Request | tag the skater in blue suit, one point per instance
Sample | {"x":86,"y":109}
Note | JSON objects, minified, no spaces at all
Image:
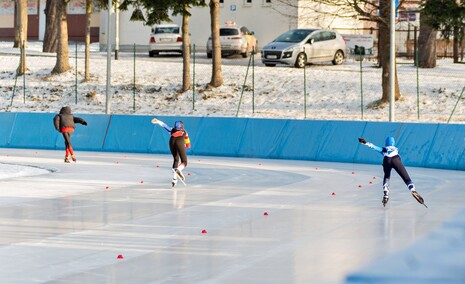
{"x":391,"y":161}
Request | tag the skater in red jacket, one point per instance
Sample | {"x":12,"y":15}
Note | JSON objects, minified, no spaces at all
{"x":65,"y":124}
{"x":179,"y":141}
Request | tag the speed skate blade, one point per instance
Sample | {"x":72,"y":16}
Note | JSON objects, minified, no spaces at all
{"x":385,"y":201}
{"x":419,"y":198}
{"x":183,"y":182}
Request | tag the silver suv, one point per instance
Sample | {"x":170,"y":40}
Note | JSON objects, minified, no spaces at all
{"x":301,"y":46}
{"x":234,"y":39}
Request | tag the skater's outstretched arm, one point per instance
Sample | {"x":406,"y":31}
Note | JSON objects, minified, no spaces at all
{"x":371,"y":145}
{"x":80,"y":120}
{"x":162,"y":124}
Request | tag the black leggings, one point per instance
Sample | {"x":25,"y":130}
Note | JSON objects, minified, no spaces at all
{"x":67,"y":136}
{"x":395,"y":163}
{"x":178,"y":150}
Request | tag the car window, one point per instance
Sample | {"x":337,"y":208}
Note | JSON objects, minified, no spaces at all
{"x":229,"y":32}
{"x":293,"y":36}
{"x":332,"y":35}
{"x":318,"y":36}
{"x":245,"y":31}
{"x":167,"y":30}
{"x":328,"y":35}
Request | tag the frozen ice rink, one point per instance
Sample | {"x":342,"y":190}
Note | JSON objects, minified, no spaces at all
{"x":113,"y":218}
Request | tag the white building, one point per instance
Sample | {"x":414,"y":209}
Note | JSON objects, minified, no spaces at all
{"x":266,"y":18}
{"x":36,"y":20}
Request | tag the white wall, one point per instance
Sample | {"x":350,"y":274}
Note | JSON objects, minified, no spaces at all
{"x":258,"y":17}
{"x":262,"y":19}
{"x":42,"y":18}
{"x":131,"y":32}
{"x":266,"y":20}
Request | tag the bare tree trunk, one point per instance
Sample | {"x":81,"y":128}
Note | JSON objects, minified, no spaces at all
{"x":87,"y":52}
{"x":62,"y":64}
{"x":461,"y":49}
{"x":186,"y":54}
{"x":17,"y":22}
{"x":426,"y":45}
{"x":217,"y":77}
{"x":456,"y":45}
{"x":22,"y":34}
{"x":384,"y":50}
{"x":51,"y":27}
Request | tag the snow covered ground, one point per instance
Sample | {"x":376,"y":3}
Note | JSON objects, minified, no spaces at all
{"x":334,"y":92}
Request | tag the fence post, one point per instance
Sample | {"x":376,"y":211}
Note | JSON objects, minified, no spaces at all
{"x":76,"y":75}
{"x":193,"y":79}
{"x":361,"y":83}
{"x":23,"y":54}
{"x":305,"y":90}
{"x":415,"y":48}
{"x":253,"y":80}
{"x":456,"y":104}
{"x":134,"y":81}
{"x":14,"y":89}
{"x":418,"y":85}
{"x":243,"y":87}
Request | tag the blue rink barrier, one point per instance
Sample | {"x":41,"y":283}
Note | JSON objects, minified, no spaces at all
{"x":421,"y":144}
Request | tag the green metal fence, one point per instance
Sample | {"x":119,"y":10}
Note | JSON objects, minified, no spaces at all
{"x":319,"y":91}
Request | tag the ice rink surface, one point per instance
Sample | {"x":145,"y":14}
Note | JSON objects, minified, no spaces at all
{"x":113,"y":218}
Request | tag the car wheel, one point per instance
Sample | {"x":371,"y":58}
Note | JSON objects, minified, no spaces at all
{"x":270,"y":65}
{"x":151,"y":54}
{"x":301,"y":60}
{"x":245,"y":54}
{"x":338,"y":58}
{"x":209,"y":55}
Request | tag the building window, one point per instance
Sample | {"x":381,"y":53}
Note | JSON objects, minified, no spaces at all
{"x":266,"y":2}
{"x":248,"y":2}
{"x":221,"y":1}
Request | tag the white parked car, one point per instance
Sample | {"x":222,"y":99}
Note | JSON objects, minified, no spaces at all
{"x":301,"y":46}
{"x":165,"y":38}
{"x":234,"y":39}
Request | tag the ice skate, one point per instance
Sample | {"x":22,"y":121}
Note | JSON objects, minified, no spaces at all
{"x":385,"y":200}
{"x":66,"y":159}
{"x":418,"y":198}
{"x":180,"y":175}
{"x":175,"y":171}
{"x":173,"y":182}
{"x":386,"y":194}
{"x":73,"y":158}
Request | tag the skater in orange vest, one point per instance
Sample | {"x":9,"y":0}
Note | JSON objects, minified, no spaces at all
{"x":178,"y":143}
